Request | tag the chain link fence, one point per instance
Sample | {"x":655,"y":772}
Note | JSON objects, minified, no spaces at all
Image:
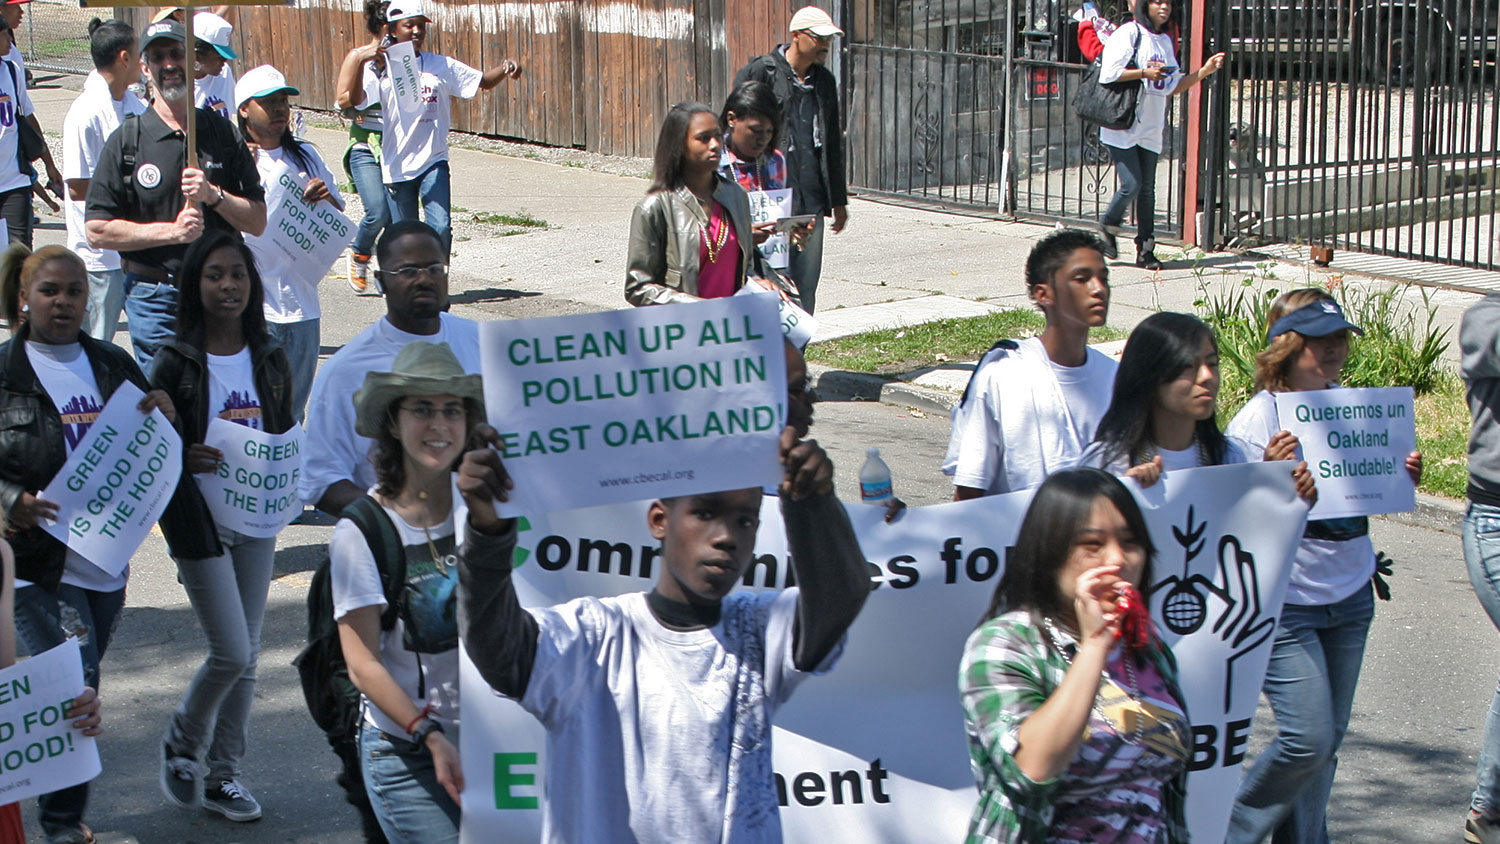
{"x":54,"y":35}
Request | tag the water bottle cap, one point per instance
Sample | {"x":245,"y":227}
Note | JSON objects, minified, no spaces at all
{"x":872,"y":452}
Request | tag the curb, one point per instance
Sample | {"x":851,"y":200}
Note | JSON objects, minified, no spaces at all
{"x":1432,"y":512}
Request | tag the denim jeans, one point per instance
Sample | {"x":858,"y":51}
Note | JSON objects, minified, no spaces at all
{"x":364,"y":170}
{"x":1136,"y":168}
{"x":106,"y":298}
{"x":433,"y":192}
{"x":151,"y":307}
{"x":43,"y":621}
{"x":805,"y":265}
{"x":404,"y":791}
{"x":1482,"y":553}
{"x":301,"y":342}
{"x":1310,"y":684}
{"x":228,"y":594}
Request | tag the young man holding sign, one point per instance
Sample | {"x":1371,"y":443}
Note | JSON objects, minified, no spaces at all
{"x":647,"y":693}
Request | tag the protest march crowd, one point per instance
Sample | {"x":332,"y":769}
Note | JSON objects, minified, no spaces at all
{"x":657,"y":705}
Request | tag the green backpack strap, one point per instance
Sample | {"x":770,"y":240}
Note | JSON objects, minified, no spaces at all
{"x":390,"y":552}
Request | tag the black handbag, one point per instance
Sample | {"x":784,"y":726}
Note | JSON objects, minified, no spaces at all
{"x":1112,"y":104}
{"x":30,"y":144}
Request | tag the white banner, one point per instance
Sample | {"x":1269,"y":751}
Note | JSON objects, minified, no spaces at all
{"x":636,"y":403}
{"x":797,"y":326}
{"x":40,"y":752}
{"x":768,"y":206}
{"x":254,"y":492}
{"x":876,"y":752}
{"x":305,"y":238}
{"x":405,"y":69}
{"x":1355,"y":442}
{"x":116,"y":482}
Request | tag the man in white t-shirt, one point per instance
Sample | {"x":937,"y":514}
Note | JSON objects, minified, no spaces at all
{"x":414,"y":145}
{"x":97,"y":112}
{"x":1032,"y":405}
{"x":414,"y":273}
{"x":213,"y":80}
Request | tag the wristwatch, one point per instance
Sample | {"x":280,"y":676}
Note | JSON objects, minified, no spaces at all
{"x":218,"y":201}
{"x":425,"y":729}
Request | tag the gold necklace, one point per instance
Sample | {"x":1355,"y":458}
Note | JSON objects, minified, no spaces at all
{"x":708,"y":243}
{"x":437,"y":558}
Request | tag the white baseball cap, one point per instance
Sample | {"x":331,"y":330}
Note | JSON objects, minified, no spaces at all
{"x":402,"y":9}
{"x":814,"y":20}
{"x":213,"y":29}
{"x":260,"y":81}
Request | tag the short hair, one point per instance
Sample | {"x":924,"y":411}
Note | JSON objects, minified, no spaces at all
{"x":1051,"y":253}
{"x":1273,"y":366}
{"x":666,"y":169}
{"x":397,"y":230}
{"x":190,"y":286}
{"x":19,"y":265}
{"x":753,"y":97}
{"x":108,"y":39}
{"x":1047,"y":535}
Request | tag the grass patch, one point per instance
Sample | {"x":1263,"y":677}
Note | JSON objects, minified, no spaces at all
{"x":517,"y":223}
{"x":1443,"y":438}
{"x":892,"y":351}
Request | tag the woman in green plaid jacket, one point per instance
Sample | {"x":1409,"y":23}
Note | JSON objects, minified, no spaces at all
{"x":1077,"y":729}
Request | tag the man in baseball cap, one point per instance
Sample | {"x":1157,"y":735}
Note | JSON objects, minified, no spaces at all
{"x":816,"y":21}
{"x":213,"y":79}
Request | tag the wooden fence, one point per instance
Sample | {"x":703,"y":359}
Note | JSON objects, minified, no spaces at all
{"x":598,"y":74}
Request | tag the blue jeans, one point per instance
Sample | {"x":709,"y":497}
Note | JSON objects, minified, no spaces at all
{"x":151,"y":307}
{"x":433,"y":192}
{"x":228,"y":594}
{"x":1310,"y":683}
{"x":805,"y":265}
{"x":301,"y":342}
{"x":1482,"y":553}
{"x":43,"y":621}
{"x":1136,"y":168}
{"x":404,"y":791}
{"x":106,"y":298}
{"x":364,"y":170}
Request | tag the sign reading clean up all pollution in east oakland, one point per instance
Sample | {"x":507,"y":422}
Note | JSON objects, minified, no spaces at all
{"x":40,"y":751}
{"x":116,"y":483}
{"x":1355,"y":442}
{"x":306,"y":238}
{"x":637,"y":403}
{"x":254,"y":491}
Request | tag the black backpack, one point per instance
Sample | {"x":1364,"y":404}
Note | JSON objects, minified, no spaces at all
{"x":332,"y":699}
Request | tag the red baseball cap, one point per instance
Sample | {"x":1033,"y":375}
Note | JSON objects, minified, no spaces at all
{"x":15,"y":2}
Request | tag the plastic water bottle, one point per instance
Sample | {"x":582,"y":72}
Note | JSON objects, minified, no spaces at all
{"x":875,"y":479}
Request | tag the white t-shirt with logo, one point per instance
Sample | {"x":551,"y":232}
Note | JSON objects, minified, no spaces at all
{"x":216,"y":93}
{"x":15,"y":103}
{"x":231,"y":389}
{"x":68,"y":380}
{"x":92,"y":118}
{"x":407,"y":150}
{"x":288,"y":298}
{"x":1149,"y":129}
{"x":355,"y":579}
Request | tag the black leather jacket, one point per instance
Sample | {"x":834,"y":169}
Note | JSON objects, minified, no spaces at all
{"x":32,"y":449}
{"x":182,"y":371}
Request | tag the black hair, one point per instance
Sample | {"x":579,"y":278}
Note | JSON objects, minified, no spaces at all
{"x":390,"y":458}
{"x":107,"y":40}
{"x":190,"y":287}
{"x":1141,"y":11}
{"x":397,"y":230}
{"x":666,"y":171}
{"x":1048,"y":533}
{"x":288,"y":142}
{"x":1158,"y":350}
{"x":1051,"y":253}
{"x":753,"y":97}
{"x":375,"y":15}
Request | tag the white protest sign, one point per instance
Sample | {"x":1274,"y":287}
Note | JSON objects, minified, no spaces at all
{"x":254,"y":492}
{"x":637,"y":403}
{"x":405,"y":70}
{"x":305,"y":238}
{"x":1355,"y":442}
{"x":876,"y":751}
{"x":116,"y":483}
{"x":40,"y":751}
{"x":768,"y":206}
{"x":797,"y":326}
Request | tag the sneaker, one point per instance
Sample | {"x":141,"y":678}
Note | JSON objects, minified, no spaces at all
{"x":1111,"y":246}
{"x":357,"y":268}
{"x":1479,"y":829}
{"x":81,"y":835}
{"x":232,"y":800}
{"x":1147,"y":261}
{"x":180,"y":780}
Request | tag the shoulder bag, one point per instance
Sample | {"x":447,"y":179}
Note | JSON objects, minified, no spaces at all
{"x":1111,"y":105}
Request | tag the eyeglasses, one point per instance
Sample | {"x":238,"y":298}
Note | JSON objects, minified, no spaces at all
{"x":425,"y":412}
{"x":409,"y":274}
{"x":821,"y":39}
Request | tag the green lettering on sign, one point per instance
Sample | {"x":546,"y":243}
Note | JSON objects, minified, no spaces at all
{"x":505,"y":780}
